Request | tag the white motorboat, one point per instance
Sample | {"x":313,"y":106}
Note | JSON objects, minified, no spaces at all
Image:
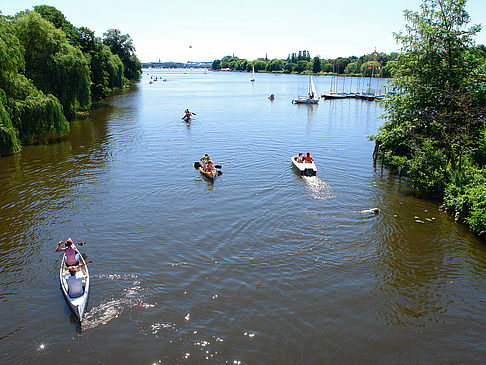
{"x":304,"y":168}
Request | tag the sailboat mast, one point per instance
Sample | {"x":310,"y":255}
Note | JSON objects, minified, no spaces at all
{"x":372,"y":72}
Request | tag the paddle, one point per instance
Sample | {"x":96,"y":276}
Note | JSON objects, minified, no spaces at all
{"x":198,"y":164}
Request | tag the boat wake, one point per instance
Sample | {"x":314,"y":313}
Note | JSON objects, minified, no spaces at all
{"x":318,"y":188}
{"x":111,"y":309}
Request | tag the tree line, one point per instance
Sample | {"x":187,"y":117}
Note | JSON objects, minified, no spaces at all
{"x":50,"y":70}
{"x":376,"y":63}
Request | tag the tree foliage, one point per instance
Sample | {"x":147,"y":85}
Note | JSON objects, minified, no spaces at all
{"x":122,"y":45}
{"x":49,"y":69}
{"x":436,"y":120}
{"x":55,"y":66}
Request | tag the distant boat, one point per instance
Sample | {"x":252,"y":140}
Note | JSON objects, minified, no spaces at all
{"x":253,"y":74}
{"x":370,"y":93}
{"x":312,"y":97}
{"x":334,"y":95}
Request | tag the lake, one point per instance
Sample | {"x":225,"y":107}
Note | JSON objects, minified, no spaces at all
{"x":262,"y":266}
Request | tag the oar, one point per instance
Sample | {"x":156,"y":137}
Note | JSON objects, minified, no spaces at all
{"x":193,"y":113}
{"x":218,"y":166}
{"x":197,"y":165}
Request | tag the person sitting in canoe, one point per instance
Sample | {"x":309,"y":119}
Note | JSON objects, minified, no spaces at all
{"x":209,"y":166}
{"x":205,"y":159}
{"x":308,"y":158}
{"x":300,"y":158}
{"x":188,"y":115}
{"x":72,"y":255}
{"x":75,"y":283}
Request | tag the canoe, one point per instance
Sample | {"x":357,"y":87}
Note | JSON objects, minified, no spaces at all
{"x":210,"y":175}
{"x":77,"y":305}
{"x":304,"y":168}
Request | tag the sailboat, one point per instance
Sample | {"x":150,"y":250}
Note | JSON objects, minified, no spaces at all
{"x":331,"y":94}
{"x":370,"y":93}
{"x":312,"y":97}
{"x":253,"y":74}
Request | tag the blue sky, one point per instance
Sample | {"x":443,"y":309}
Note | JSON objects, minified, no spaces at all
{"x":198,"y":30}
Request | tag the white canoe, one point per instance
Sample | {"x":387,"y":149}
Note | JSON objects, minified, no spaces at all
{"x":304,"y":168}
{"x":77,"y":305}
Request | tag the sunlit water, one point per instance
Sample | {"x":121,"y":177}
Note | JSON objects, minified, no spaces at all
{"x":263,"y":266}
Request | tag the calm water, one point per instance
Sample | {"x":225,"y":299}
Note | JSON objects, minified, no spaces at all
{"x":261,"y":267}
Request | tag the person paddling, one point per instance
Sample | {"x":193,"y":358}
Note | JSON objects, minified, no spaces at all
{"x":72,"y":254}
{"x":188,"y":115}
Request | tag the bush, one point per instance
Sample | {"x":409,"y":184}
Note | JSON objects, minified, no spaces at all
{"x":465,"y":198}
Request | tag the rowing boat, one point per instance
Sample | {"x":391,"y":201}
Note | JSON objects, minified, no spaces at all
{"x":76,"y":304}
{"x":304,"y":168}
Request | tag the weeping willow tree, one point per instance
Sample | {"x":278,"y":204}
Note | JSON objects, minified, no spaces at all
{"x":26,"y":113}
{"x":55,"y":66}
{"x":106,"y":69}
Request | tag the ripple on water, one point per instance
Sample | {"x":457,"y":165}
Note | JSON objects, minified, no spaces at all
{"x":111,"y":309}
{"x":318,"y":188}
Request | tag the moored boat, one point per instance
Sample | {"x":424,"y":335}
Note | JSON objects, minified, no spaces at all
{"x":304,"y":168}
{"x":312,"y":97}
{"x":77,"y":304}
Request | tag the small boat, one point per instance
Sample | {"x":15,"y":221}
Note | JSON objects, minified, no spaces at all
{"x":77,"y":304}
{"x":304,"y":168}
{"x":187,"y":118}
{"x":253,"y":74}
{"x":311,"y":98}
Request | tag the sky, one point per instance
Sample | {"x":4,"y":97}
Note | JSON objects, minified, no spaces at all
{"x":199,"y":30}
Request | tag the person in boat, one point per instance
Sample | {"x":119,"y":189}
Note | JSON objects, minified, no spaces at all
{"x":187,"y":115}
{"x":271,"y":97}
{"x":72,"y":255}
{"x":75,"y":283}
{"x":308,"y":158}
{"x":300,"y":158}
{"x":209,"y":166}
{"x":205,"y":159}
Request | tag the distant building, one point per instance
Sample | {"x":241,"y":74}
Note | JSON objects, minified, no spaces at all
{"x":188,"y":64}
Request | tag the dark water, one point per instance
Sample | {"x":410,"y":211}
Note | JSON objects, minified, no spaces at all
{"x":261,"y":267}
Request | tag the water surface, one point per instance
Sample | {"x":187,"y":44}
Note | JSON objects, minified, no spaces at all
{"x":262,"y":266}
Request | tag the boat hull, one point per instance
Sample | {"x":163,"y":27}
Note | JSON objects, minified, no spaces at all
{"x":304,"y":168}
{"x":209,"y":175}
{"x":334,"y":96}
{"x":305,"y":101}
{"x":77,"y":305}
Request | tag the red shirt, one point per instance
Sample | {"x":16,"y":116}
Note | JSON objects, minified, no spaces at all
{"x":308,"y":158}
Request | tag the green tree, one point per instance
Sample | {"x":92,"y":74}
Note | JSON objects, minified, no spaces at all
{"x":26,"y":114}
{"x":301,"y":66}
{"x":122,"y":45}
{"x":216,"y":65}
{"x":316,"y":65}
{"x":55,"y":66}
{"x":442,"y":104}
{"x":275,"y":65}
{"x":59,"y":21}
